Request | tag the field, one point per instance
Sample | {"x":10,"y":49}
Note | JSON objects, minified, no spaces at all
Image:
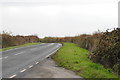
{"x":74,"y":58}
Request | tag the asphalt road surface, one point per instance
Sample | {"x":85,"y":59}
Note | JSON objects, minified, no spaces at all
{"x":17,"y":60}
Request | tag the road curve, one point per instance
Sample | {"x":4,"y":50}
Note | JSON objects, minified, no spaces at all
{"x":17,"y":60}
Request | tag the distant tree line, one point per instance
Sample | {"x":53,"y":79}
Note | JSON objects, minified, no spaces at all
{"x":7,"y":40}
{"x":104,"y":47}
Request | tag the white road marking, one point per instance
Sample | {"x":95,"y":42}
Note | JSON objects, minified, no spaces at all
{"x":19,"y":53}
{"x":5,"y":57}
{"x":23,"y":70}
{"x":34,"y":49}
{"x":59,"y":44}
{"x":53,"y":52}
{"x":36,"y":62}
{"x":50,"y":44}
{"x":12,"y":76}
{"x":30,"y":66}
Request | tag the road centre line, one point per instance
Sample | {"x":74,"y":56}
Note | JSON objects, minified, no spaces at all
{"x":5,"y":57}
{"x":34,"y":49}
{"x":18,"y":53}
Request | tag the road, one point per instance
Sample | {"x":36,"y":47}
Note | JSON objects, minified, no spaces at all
{"x":17,"y":61}
{"x":48,"y":69}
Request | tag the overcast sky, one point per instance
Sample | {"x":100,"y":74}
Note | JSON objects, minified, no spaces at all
{"x":58,"y":18}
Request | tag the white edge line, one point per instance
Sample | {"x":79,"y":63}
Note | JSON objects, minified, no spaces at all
{"x":53,"y":52}
{"x":23,"y":70}
{"x":12,"y":76}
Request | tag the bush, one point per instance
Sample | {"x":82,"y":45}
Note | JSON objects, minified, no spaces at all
{"x":8,"y":40}
{"x":108,"y":50}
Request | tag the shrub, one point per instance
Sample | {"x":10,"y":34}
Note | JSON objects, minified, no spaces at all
{"x":107,"y":51}
{"x":8,"y":40}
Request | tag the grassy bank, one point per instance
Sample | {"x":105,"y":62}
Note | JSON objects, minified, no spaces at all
{"x":76,"y":59}
{"x":27,"y":44}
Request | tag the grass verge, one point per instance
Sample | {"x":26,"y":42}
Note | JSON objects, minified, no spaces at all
{"x":27,"y":44}
{"x":76,"y":59}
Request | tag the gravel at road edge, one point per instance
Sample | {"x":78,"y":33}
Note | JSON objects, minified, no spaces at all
{"x":47,"y":69}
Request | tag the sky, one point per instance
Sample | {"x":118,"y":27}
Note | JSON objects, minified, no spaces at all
{"x":57,"y":18}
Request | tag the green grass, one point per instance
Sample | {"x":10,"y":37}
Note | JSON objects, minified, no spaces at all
{"x":76,"y":59}
{"x":12,"y":47}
